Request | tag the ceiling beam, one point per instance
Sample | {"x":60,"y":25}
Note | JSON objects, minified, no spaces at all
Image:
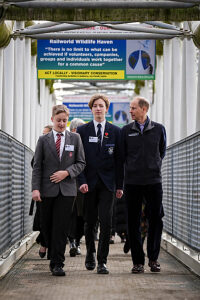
{"x":101,"y":14}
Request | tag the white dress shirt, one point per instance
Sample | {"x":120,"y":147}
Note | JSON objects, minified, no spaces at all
{"x":62,"y":143}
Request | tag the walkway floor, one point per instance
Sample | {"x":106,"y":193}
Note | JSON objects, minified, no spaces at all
{"x":30,"y":279}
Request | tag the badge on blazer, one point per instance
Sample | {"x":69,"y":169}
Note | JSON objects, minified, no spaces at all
{"x":106,"y":135}
{"x":69,"y":147}
{"x":110,"y":150}
{"x":134,"y":134}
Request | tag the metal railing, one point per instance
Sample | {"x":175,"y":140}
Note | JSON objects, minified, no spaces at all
{"x":15,"y":191}
{"x":181,"y":191}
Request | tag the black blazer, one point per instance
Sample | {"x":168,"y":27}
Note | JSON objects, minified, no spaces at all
{"x":107,"y":164}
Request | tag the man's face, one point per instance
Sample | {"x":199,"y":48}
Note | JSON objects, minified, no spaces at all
{"x":60,"y":122}
{"x":99,"y":109}
{"x":137,"y":112}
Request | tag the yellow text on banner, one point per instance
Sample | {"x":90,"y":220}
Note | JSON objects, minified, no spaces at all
{"x":80,"y":74}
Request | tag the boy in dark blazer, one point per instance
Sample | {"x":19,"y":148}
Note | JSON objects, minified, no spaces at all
{"x":101,"y":177}
{"x":59,"y":158}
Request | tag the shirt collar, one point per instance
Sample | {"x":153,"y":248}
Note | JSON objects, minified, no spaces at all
{"x":55,"y":132}
{"x":102,"y":123}
{"x":145,"y":124}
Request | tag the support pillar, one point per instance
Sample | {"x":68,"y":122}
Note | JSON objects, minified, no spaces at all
{"x":18,"y":85}
{"x":1,"y":85}
{"x":8,"y":88}
{"x":27,"y":89}
{"x":33,"y":103}
{"x":198,"y":97}
{"x":167,"y":87}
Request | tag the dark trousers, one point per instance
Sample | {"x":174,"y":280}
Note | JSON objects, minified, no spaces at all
{"x":55,"y":222}
{"x":79,"y":229}
{"x":113,"y":225}
{"x":153,"y":195}
{"x":98,"y":204}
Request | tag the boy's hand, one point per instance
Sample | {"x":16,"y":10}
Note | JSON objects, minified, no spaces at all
{"x":59,"y":176}
{"x":36,"y":195}
{"x":84,"y":188}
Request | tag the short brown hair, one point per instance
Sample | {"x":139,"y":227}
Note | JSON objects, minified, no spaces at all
{"x":97,"y":97}
{"x":57,"y":109}
{"x":142,"y":102}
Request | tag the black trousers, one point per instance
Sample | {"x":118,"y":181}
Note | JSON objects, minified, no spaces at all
{"x":55,"y":222}
{"x":98,"y":204}
{"x":153,"y":195}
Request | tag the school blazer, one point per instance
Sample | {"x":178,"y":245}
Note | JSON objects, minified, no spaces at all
{"x":108,"y":163}
{"x":46,"y":162}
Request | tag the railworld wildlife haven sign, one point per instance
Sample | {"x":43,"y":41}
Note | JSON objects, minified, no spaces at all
{"x":96,"y":59}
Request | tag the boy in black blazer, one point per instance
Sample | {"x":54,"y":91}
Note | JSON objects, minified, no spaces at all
{"x":101,"y":177}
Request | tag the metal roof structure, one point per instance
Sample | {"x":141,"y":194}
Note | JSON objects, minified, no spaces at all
{"x":64,"y":19}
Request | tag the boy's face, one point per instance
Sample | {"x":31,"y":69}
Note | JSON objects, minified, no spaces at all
{"x":99,"y":109}
{"x":60,"y":122}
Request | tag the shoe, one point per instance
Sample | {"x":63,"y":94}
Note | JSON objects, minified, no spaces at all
{"x":90,"y":262}
{"x":126,"y":247}
{"x":73,"y":250}
{"x":154,"y":266}
{"x":102,"y":269}
{"x":137,"y":269}
{"x":58,"y":271}
{"x":42,"y":253}
{"x":78,"y":250}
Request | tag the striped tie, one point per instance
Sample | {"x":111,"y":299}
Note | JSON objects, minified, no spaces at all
{"x":99,"y":135}
{"x":58,"y":142}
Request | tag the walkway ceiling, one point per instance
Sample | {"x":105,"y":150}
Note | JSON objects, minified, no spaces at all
{"x":67,"y":17}
{"x":129,"y":11}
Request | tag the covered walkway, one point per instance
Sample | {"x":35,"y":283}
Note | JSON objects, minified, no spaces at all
{"x":31,"y":279}
{"x":25,"y":108}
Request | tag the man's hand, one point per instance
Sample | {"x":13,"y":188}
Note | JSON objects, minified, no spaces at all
{"x":84,"y":188}
{"x":119,"y":193}
{"x":59,"y":176}
{"x":36,"y":195}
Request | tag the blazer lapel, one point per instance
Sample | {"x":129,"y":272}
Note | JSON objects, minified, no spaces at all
{"x":50,"y":139}
{"x":67,"y":142}
{"x":91,"y":129}
{"x":106,"y":135}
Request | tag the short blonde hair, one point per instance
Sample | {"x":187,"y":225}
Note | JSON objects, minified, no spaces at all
{"x":97,"y":97}
{"x":142,"y":102}
{"x":57,"y":109}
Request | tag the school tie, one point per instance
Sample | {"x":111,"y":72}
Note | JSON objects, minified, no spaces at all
{"x":58,"y":142}
{"x":99,"y":135}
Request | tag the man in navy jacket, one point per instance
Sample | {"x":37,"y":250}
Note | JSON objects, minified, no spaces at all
{"x":143,"y":148}
{"x":102,"y":176}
